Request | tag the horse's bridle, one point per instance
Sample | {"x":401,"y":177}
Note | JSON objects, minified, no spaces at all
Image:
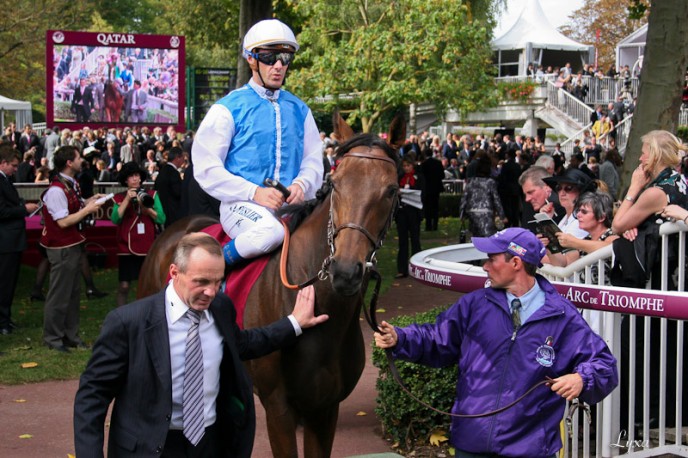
{"x":333,"y":231}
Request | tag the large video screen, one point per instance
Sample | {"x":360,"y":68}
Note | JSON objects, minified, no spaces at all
{"x":114,"y":79}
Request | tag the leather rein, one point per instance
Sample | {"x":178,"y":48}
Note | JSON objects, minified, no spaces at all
{"x":332,"y":232}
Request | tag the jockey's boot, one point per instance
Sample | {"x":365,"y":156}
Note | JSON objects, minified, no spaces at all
{"x":232,"y":256}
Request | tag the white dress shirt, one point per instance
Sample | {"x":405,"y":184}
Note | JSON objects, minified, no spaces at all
{"x":212,"y":344}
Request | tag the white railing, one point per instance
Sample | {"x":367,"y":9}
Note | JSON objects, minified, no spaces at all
{"x":568,"y":104}
{"x":567,"y":145}
{"x":453,"y":186}
{"x":648,"y":437}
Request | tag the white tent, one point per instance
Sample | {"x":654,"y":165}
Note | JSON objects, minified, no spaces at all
{"x":22,"y":111}
{"x":630,"y":50}
{"x":532,"y":39}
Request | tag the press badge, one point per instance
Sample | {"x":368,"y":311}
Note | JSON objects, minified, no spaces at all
{"x":140,"y":228}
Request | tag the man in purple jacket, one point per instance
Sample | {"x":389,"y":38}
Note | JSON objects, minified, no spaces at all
{"x":506,"y":338}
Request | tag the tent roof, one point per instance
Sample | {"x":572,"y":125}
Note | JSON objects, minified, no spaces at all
{"x":639,"y":36}
{"x":533,"y":27}
{"x":9,"y":104}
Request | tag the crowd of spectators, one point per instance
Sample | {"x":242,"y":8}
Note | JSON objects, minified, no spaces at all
{"x":104,"y":150}
{"x":528,"y":177}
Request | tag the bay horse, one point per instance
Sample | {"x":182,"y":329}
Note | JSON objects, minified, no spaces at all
{"x":339,"y":234}
{"x":113,"y":101}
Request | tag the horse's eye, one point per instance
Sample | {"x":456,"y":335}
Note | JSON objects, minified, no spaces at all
{"x":391,"y":192}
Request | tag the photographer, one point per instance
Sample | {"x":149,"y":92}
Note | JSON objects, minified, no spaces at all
{"x":135,"y":212}
{"x":64,"y":213}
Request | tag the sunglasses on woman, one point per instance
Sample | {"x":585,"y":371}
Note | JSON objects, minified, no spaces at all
{"x":567,"y":188}
{"x":271,"y":57}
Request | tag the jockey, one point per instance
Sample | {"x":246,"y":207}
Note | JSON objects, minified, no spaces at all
{"x":256,"y":132}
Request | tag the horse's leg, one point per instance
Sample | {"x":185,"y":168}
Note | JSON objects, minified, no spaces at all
{"x":318,"y":431}
{"x":282,"y":422}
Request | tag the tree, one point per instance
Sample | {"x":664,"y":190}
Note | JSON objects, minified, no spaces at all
{"x":661,"y":80}
{"x":611,"y":18}
{"x":251,"y":12}
{"x":371,"y":57}
{"x":22,"y":42}
{"x":209,"y":27}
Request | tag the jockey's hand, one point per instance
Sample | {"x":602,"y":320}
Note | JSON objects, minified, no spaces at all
{"x":268,"y":197}
{"x":304,"y":309}
{"x":296,"y":196}
{"x":568,"y":386}
{"x":388,"y":338}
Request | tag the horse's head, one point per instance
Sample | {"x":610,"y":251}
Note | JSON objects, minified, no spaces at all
{"x":363,"y":199}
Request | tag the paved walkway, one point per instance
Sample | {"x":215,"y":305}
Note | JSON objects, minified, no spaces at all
{"x":44,"y":410}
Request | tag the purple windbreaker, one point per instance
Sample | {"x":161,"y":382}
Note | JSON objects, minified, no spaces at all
{"x":496,"y":367}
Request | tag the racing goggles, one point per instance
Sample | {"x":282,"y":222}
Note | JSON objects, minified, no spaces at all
{"x":271,"y":57}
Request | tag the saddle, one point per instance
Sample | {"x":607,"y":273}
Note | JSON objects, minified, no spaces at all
{"x":239,"y":279}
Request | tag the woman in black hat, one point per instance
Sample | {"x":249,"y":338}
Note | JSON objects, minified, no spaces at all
{"x":135,"y":212}
{"x":568,"y":187}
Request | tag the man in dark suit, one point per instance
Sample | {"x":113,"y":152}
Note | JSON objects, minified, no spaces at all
{"x":141,"y":359}
{"x":28,"y":140}
{"x":169,"y":185}
{"x":12,"y":233}
{"x":83,"y":102}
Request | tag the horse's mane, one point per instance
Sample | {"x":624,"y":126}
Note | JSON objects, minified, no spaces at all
{"x":299,"y":212}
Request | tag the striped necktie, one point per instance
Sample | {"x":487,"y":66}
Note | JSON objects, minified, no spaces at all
{"x":192,"y":404}
{"x":516,"y":313}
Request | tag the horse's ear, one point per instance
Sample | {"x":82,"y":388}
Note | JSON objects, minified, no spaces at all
{"x":397,"y":130}
{"x":342,"y":130}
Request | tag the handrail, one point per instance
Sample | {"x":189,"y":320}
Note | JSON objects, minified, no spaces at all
{"x":568,"y":104}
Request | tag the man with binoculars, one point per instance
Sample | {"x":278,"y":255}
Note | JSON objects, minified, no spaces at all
{"x":136,"y":212}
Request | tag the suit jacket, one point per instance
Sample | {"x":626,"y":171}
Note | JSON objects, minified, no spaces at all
{"x":84,"y":96}
{"x":131,"y":364}
{"x":169,"y":186}
{"x":140,"y":106}
{"x":12,"y":213}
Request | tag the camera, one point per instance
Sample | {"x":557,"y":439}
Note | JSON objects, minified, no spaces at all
{"x":88,"y":221}
{"x":144,"y":198}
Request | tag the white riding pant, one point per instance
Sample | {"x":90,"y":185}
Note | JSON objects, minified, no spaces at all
{"x":254,"y":228}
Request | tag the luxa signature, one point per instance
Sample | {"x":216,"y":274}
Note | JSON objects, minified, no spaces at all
{"x":622,"y":442}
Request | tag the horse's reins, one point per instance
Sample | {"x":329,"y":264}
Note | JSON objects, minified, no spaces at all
{"x":332,"y":232}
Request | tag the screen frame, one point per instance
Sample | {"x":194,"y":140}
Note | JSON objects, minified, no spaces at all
{"x":114,"y":40}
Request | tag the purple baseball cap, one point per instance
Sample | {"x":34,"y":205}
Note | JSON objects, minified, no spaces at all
{"x":514,"y":240}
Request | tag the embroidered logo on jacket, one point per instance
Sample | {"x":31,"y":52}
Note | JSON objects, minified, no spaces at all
{"x":545,"y":353}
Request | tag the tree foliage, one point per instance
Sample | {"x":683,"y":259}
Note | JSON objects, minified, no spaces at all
{"x":371,"y":57}
{"x":611,"y":18}
{"x":209,"y":27}
{"x":22,"y":42}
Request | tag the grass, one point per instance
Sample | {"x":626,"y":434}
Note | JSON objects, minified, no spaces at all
{"x":25,"y":345}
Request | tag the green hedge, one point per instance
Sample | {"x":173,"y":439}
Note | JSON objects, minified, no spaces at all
{"x":405,"y":421}
{"x":449,"y":205}
{"x":682,"y":133}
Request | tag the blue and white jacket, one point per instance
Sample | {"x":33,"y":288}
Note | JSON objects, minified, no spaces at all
{"x":252,"y":134}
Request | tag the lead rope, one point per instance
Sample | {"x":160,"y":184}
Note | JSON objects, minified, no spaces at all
{"x":372,"y":321}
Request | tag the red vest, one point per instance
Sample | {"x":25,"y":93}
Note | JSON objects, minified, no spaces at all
{"x":54,"y":236}
{"x":129,"y":238}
